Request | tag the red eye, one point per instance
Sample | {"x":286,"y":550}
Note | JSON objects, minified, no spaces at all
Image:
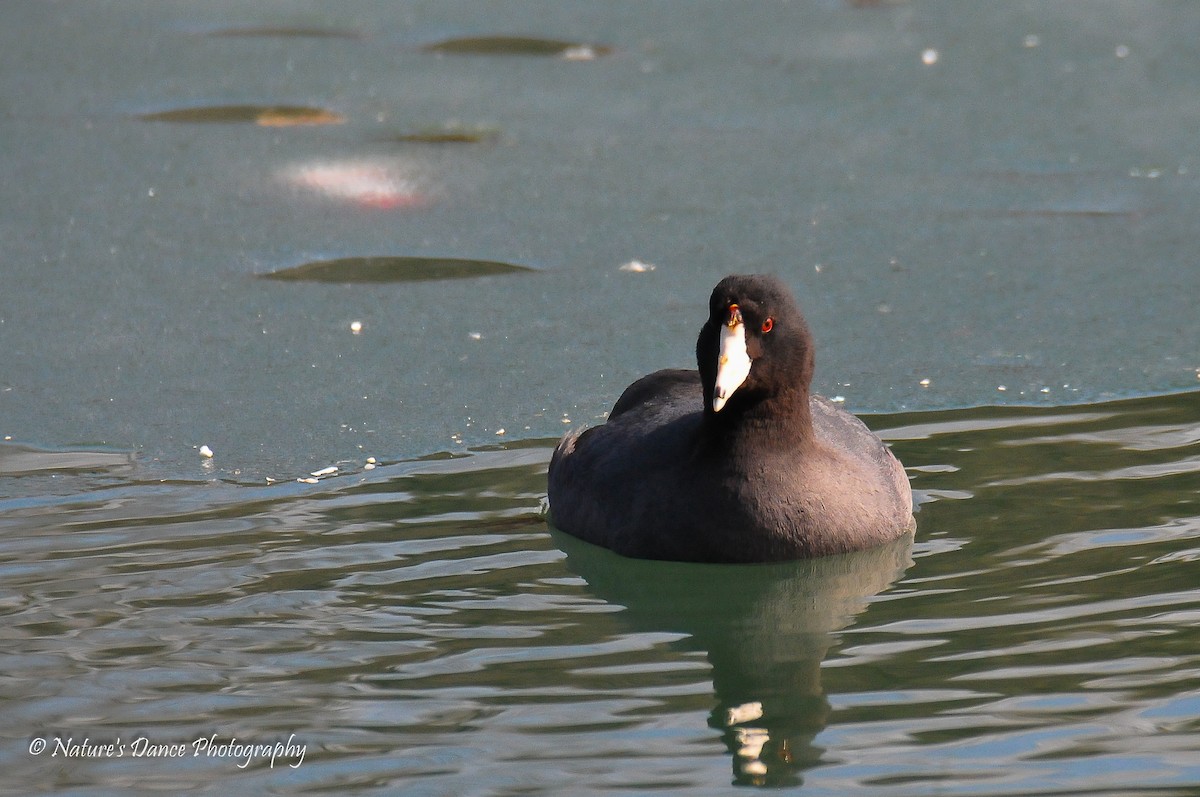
{"x":768,"y":325}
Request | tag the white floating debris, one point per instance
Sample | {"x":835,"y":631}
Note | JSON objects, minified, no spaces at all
{"x":636,"y":267}
{"x":356,"y":327}
{"x":206,"y":452}
{"x":324,"y":471}
{"x":1045,"y":390}
{"x":308,"y":480}
{"x":1122,"y":51}
{"x":1001,"y":388}
{"x":371,"y":460}
{"x":475,"y":335}
{"x":1032,"y":40}
{"x":579,"y":52}
{"x":838,"y":399}
{"x":929,"y":57}
{"x":925,"y":382}
{"x":500,"y":431}
{"x":369,"y":466}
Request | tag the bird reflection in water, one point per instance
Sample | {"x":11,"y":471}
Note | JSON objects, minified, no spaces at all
{"x":765,"y":630}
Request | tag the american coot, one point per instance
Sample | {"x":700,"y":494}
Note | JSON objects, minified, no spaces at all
{"x":735,"y":462}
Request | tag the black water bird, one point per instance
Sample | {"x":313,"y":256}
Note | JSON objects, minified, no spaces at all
{"x":734,"y":462}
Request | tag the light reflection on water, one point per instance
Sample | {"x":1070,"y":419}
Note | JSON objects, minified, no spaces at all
{"x":420,"y":630}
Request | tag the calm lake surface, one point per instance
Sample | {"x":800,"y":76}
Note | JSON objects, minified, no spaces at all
{"x":296,"y":297}
{"x":421,"y":631}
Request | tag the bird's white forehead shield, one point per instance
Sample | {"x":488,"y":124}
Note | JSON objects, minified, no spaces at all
{"x":733,"y":363}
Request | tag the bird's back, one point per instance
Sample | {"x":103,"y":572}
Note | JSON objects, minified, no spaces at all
{"x":648,"y":483}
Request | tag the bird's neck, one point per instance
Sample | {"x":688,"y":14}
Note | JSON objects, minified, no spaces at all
{"x":779,"y":420}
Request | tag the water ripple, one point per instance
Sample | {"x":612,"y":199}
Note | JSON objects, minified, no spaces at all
{"x":423,"y":631}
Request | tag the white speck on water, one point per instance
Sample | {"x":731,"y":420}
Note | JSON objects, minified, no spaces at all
{"x":929,"y":57}
{"x":1001,"y":388}
{"x":1032,"y":40}
{"x":371,"y":460}
{"x":1122,"y":51}
{"x":838,"y":399}
{"x":579,"y":52}
{"x":636,"y":267}
{"x":1045,"y":390}
{"x":817,"y":268}
{"x":206,"y":452}
{"x":500,"y":431}
{"x":369,"y":466}
{"x":308,"y":480}
{"x":356,"y":327}
{"x":926,"y":382}
{"x":324,"y":471}
{"x":475,"y":335}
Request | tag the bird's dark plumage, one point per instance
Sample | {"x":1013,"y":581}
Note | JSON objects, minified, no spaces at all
{"x":736,"y":461}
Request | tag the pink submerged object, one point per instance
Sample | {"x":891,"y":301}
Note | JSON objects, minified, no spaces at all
{"x":381,"y":184}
